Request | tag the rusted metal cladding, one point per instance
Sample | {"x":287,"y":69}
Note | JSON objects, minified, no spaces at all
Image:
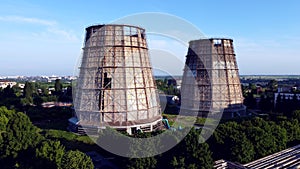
{"x":115,"y":84}
{"x":211,"y":72}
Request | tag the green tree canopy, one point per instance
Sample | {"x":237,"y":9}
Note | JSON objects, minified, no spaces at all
{"x":27,"y":93}
{"x":178,"y":162}
{"x":50,"y":154}
{"x":292,"y":129}
{"x":19,"y":133}
{"x":266,"y":136}
{"x":142,"y":163}
{"x":296,"y":115}
{"x":230,"y":143}
{"x":241,"y":149}
{"x":196,"y":154}
{"x":58,"y":86}
{"x":76,"y":160}
{"x":273,"y":85}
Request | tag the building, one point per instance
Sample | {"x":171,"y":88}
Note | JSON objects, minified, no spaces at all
{"x":286,"y":96}
{"x":4,"y":84}
{"x":115,"y":87}
{"x":211,"y":80}
{"x":288,"y":158}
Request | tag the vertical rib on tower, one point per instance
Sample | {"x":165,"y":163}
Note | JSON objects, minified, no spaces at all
{"x":211,"y":79}
{"x":115,"y":85}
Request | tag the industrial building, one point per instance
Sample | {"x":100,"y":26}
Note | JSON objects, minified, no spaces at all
{"x":211,"y":80}
{"x":115,"y":87}
{"x":288,"y":158}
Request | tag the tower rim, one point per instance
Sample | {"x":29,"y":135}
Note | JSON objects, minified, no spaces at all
{"x":102,"y":25}
{"x":202,"y":39}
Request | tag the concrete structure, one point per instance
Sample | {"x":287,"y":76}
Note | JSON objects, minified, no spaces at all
{"x":115,"y":87}
{"x":211,"y":79}
{"x":288,"y":158}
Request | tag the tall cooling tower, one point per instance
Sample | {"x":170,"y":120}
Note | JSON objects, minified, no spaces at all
{"x":115,"y":87}
{"x":211,"y":80}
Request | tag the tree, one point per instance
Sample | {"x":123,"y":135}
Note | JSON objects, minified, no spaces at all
{"x":279,"y":136}
{"x":136,"y":148}
{"x":37,"y":100}
{"x":142,"y":163}
{"x":17,"y":90}
{"x":50,"y":154}
{"x":45,"y":91}
{"x":241,"y":149}
{"x":19,"y":135}
{"x":267,"y":137}
{"x":293,"y":131}
{"x":204,"y":157}
{"x":279,"y":103}
{"x":8,"y":91}
{"x":250,"y":101}
{"x":76,"y":160}
{"x":230,"y":142}
{"x":296,"y":115}
{"x":253,"y":88}
{"x":58,"y":86}
{"x":266,"y":103}
{"x":178,"y":163}
{"x":27,"y":94}
{"x":272,"y":85}
{"x":197,"y":155}
{"x":3,"y":123}
{"x":69,"y":91}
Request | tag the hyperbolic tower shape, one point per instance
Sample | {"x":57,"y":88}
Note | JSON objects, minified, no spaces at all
{"x":211,"y":80}
{"x":115,"y":87}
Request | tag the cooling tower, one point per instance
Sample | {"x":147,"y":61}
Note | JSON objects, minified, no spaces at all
{"x":211,"y":82}
{"x":115,"y":87}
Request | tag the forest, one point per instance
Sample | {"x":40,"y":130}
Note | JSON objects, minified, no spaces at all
{"x":35,"y":137}
{"x":24,"y":145}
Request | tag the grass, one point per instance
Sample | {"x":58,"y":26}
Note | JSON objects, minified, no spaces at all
{"x":72,"y":141}
{"x":56,"y":125}
{"x":171,"y":118}
{"x":202,"y":121}
{"x":182,"y":120}
{"x":68,"y":136}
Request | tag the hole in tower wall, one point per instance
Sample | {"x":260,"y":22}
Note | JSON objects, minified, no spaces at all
{"x":126,"y":30}
{"x":107,"y":81}
{"x":143,"y":35}
{"x":134,"y":35}
{"x":134,"y":32}
{"x":226,"y":43}
{"x":217,"y":42}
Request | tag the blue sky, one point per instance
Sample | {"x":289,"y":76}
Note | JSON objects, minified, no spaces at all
{"x":45,"y":37}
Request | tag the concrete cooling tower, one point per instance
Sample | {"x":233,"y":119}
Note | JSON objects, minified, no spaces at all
{"x":115,"y":87}
{"x":211,"y":80}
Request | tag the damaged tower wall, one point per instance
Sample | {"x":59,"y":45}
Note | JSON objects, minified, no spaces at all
{"x":211,"y":80}
{"x":115,"y":87}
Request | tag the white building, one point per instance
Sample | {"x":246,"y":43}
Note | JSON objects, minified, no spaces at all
{"x":5,"y":84}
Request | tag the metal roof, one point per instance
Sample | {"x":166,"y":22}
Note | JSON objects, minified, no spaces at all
{"x":288,"y":158}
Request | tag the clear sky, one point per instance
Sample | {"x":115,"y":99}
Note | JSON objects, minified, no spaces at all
{"x":45,"y":37}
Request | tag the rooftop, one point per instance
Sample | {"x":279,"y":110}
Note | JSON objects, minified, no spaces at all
{"x":288,"y":158}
